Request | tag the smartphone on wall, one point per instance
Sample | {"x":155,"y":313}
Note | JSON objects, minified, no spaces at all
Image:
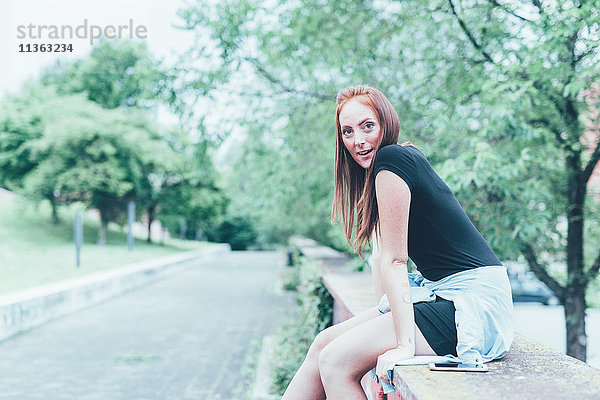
{"x":459,"y":367}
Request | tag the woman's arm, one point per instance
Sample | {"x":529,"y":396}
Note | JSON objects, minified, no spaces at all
{"x":376,"y":265}
{"x":393,"y":202}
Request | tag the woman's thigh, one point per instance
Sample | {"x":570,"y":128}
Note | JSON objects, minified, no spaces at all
{"x":356,"y":350}
{"x":329,"y":334}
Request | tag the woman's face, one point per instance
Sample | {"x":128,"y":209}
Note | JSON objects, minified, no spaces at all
{"x":361,"y":132}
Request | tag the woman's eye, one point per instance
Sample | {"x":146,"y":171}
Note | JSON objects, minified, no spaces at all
{"x":346,"y":131}
{"x":369,"y":125}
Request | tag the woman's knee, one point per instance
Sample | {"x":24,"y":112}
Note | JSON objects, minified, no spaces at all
{"x":322,"y":339}
{"x":332,"y":361}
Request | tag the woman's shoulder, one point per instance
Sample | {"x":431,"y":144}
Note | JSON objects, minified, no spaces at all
{"x":403,"y":160}
{"x":398,"y":152}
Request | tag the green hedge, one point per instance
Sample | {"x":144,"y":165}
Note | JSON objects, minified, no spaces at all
{"x":315,"y":309}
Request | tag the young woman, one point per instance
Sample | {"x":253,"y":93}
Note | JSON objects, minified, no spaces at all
{"x":459,"y":303}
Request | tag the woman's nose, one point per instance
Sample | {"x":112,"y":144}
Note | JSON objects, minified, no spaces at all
{"x":359,"y":138}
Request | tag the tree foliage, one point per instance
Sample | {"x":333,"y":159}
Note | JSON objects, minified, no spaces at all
{"x":189,"y":188}
{"x":115,"y":74}
{"x":77,"y":151}
{"x":85,"y":133}
{"x":82,"y":152}
{"x":491,"y":91}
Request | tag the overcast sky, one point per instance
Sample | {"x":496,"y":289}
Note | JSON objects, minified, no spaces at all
{"x":157,"y":16}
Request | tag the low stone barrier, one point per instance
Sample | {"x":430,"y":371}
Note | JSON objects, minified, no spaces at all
{"x":29,"y":308}
{"x":529,"y":371}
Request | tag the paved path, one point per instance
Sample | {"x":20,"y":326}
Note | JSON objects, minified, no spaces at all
{"x":192,"y":336}
{"x":546,"y":324}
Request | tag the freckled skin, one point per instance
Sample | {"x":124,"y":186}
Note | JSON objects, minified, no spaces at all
{"x":360,"y":131}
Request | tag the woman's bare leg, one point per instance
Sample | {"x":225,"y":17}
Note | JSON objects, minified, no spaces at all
{"x":306,"y":384}
{"x":345,"y":360}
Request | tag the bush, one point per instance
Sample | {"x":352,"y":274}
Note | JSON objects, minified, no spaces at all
{"x":293,"y":339}
{"x":291,"y":279}
{"x":356,"y":264}
{"x":238,"y":231}
{"x":291,"y":276}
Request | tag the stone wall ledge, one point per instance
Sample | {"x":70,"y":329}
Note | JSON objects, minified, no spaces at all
{"x":530,"y":370}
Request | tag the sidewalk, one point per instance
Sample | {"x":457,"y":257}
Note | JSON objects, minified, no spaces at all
{"x":32,"y":307}
{"x":190,"y":336}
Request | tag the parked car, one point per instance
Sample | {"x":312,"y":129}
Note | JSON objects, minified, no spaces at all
{"x":529,"y":289}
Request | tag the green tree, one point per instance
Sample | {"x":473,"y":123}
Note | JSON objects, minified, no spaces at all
{"x":89,"y":154}
{"x":530,"y":64}
{"x":21,"y":122}
{"x":26,"y":123}
{"x":282,"y":181}
{"x":490,"y":90}
{"x":115,"y":74}
{"x":81,"y":152}
{"x":124,"y":75}
{"x":190,"y":190}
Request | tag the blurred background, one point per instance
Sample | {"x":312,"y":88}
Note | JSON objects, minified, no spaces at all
{"x":218,"y":122}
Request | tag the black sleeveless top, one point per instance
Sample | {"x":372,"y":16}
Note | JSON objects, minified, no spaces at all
{"x":442,"y":240}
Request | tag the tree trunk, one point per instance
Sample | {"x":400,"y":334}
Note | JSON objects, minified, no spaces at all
{"x":151,"y":211}
{"x":182,"y":228}
{"x":102,"y":230}
{"x":55,"y":218}
{"x":575,"y":320}
{"x":574,"y":299}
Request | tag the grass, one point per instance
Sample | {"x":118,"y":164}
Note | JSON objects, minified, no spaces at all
{"x":33,"y":251}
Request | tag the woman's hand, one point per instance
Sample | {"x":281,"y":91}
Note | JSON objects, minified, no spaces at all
{"x":388,"y":360}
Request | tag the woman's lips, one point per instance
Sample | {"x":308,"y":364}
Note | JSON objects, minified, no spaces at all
{"x":364,"y":152}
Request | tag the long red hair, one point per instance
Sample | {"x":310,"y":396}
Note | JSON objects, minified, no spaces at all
{"x":354,"y":186}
